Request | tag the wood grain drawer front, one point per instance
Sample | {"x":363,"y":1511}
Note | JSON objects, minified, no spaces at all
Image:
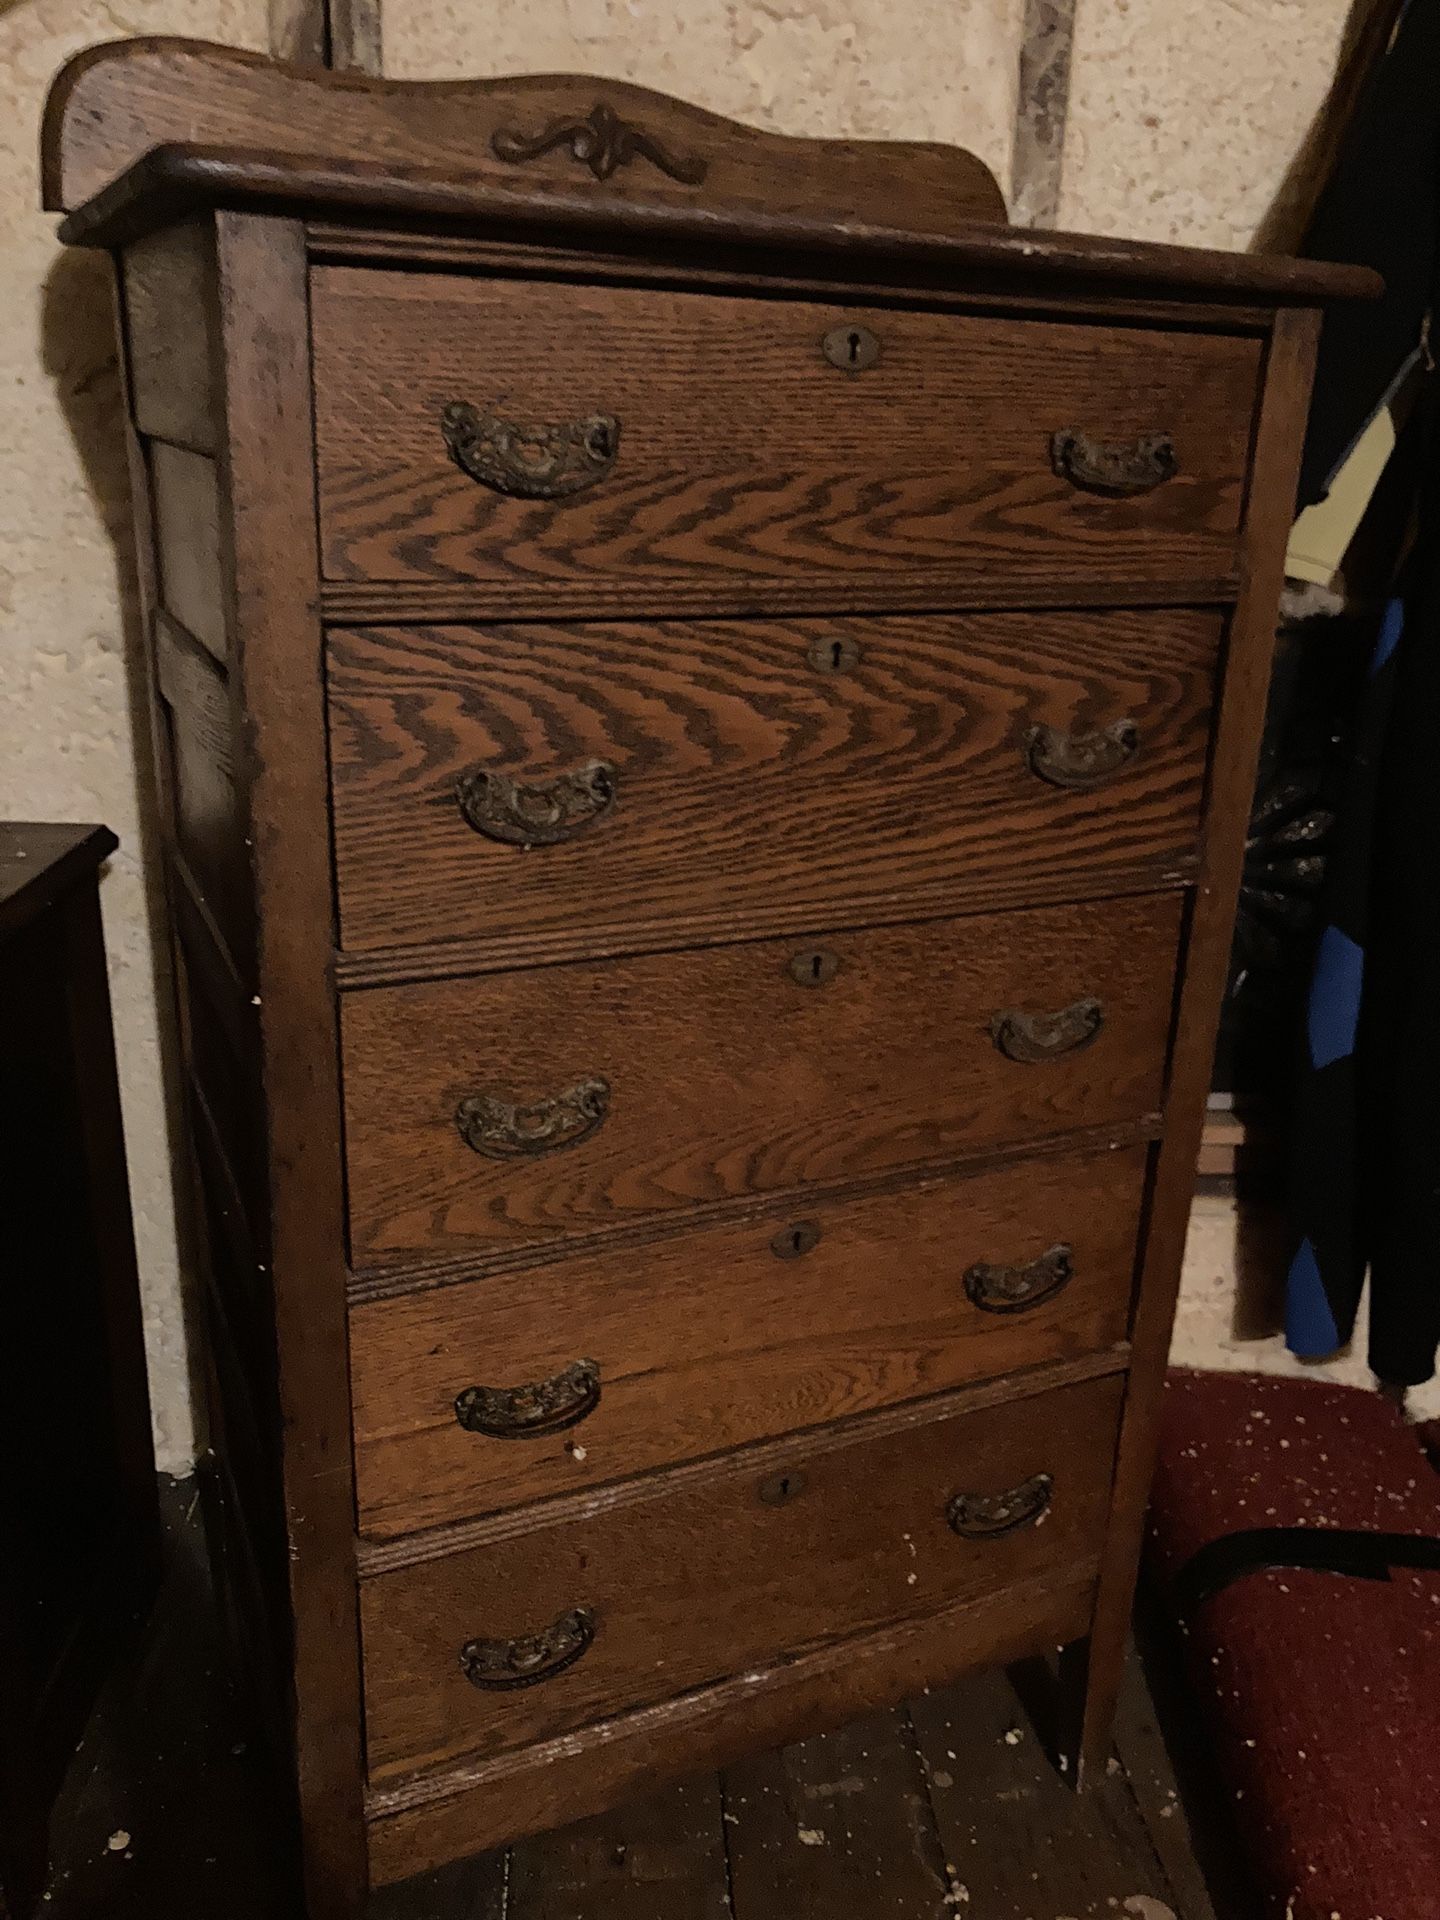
{"x":695,"y":439}
{"x":805,"y":768}
{"x":705,"y":1341}
{"x":728,"y":1574}
{"x":518,"y":1107}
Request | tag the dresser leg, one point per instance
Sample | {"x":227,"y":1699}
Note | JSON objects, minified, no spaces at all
{"x":1087,"y":1696}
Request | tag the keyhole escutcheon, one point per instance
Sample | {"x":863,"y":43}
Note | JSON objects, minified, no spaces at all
{"x":781,"y":1488}
{"x":828,"y":654}
{"x":851,"y":348}
{"x":813,"y":967}
{"x":793,"y":1241}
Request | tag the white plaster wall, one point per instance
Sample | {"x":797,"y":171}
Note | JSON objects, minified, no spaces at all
{"x":862,"y":69}
{"x":66,"y":607}
{"x":1185,"y":114}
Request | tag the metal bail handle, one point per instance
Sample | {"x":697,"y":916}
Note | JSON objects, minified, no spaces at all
{"x":503,"y":1666}
{"x":1001,"y":1289}
{"x":1118,"y":468}
{"x":1080,"y":761}
{"x":531,"y":460}
{"x":1033,"y":1038}
{"x":536,"y":813}
{"x":503,"y":1129}
{"x":990,"y":1516}
{"x":532,"y":1411}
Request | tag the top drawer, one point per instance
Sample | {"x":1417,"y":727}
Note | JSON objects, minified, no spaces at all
{"x":609,"y":437}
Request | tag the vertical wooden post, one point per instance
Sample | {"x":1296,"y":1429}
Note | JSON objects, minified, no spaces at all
{"x":273,"y":619}
{"x":1042,"y":98}
{"x":355,"y":45}
{"x":1095,"y":1668}
{"x":297,"y":32}
{"x":344,"y":34}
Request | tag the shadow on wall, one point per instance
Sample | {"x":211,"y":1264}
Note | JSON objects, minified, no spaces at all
{"x":80,"y":356}
{"x":1368,"y":27}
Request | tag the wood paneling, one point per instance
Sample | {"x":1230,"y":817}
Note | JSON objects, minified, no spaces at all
{"x":727,"y":1078}
{"x":169,"y":296}
{"x":744,"y":453}
{"x":824,"y":768}
{"x":721,"y":1579}
{"x":185,"y":500}
{"x":200,"y":723}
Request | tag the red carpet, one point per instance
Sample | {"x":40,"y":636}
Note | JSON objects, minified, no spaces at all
{"x":1321,"y":1692}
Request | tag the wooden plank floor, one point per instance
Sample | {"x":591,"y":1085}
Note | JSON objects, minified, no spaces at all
{"x":947,"y":1809}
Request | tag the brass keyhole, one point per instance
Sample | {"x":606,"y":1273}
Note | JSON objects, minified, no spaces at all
{"x":851,"y":348}
{"x":801,"y":1237}
{"x":833,"y":655}
{"x":814,"y":967}
{"x":781,"y":1487}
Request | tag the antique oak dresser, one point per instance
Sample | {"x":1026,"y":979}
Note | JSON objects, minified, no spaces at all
{"x":705,"y":693}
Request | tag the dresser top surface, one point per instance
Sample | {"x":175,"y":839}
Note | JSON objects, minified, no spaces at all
{"x":42,"y":859}
{"x":139,"y":133}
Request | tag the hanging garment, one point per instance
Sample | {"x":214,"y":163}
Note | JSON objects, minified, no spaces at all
{"x":1328,"y":1269}
{"x":1365,"y":1184}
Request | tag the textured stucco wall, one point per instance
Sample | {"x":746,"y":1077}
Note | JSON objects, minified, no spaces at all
{"x":1185,"y":114}
{"x":67,"y":629}
{"x":863,"y":69}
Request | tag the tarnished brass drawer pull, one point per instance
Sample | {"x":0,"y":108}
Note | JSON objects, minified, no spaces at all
{"x":1032,"y":1038}
{"x":530,"y":1412}
{"x":530,"y":461}
{"x":535,"y":813}
{"x":988,"y":1516}
{"x":504,"y":1130}
{"x":1080,"y":761}
{"x":1116,"y":468}
{"x":500,"y":1666}
{"x":1015,"y":1289}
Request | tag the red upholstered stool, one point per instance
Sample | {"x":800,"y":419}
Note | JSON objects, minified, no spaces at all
{"x":1321,"y":1690}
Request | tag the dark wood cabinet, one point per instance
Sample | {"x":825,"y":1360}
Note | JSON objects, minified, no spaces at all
{"x":708,"y":693}
{"x":79,"y":1520}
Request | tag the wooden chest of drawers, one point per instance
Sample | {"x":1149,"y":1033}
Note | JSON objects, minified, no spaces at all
{"x":706,"y":694}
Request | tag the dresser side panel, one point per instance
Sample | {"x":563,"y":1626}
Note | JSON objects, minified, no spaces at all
{"x":275,"y":645}
{"x":165,"y":319}
{"x":168,"y":279}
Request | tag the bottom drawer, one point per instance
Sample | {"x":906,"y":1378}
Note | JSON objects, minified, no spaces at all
{"x":533,"y":1630}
